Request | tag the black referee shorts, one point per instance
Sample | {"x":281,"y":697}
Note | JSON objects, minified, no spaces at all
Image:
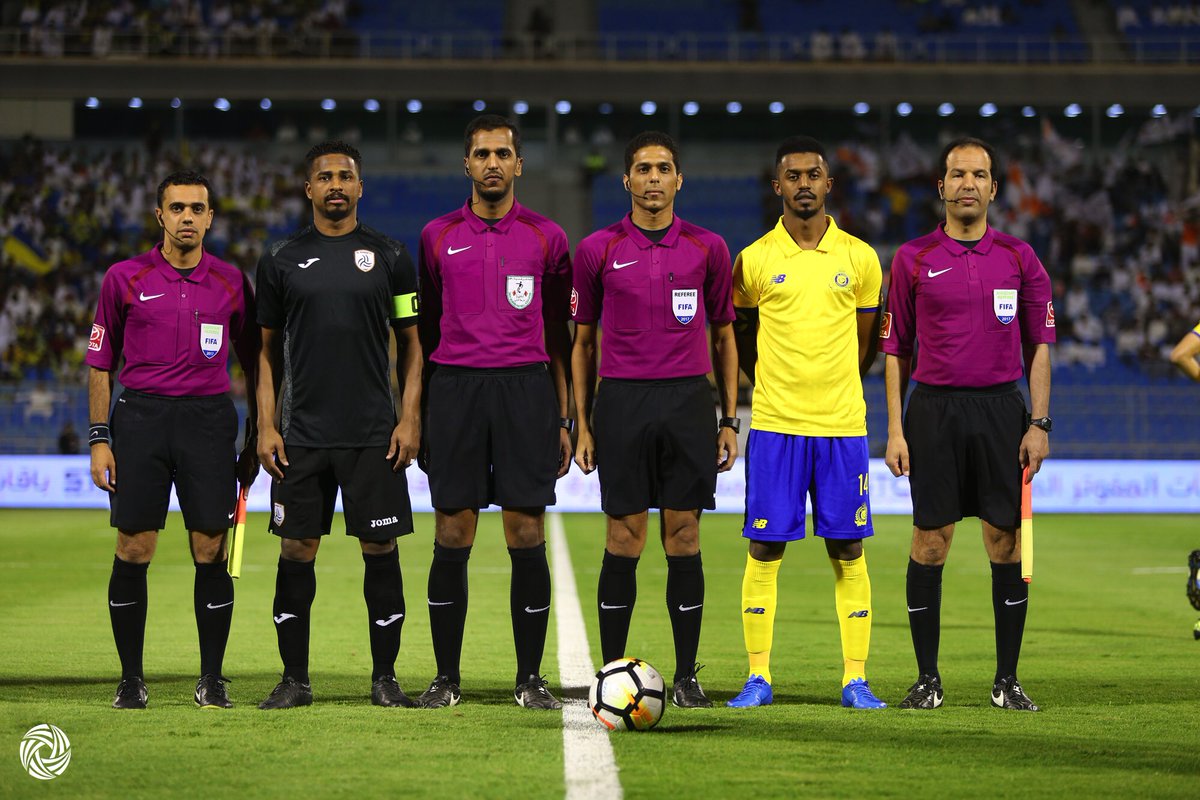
{"x":655,"y":444}
{"x":375,"y":499}
{"x":188,"y":441}
{"x":492,"y":436}
{"x":964,"y":448}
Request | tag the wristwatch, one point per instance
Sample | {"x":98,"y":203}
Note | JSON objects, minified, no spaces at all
{"x":1045,"y":423}
{"x":730,"y":422}
{"x":568,"y":423}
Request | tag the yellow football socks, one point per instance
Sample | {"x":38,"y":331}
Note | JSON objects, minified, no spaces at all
{"x":759,"y":593}
{"x":852,"y":592}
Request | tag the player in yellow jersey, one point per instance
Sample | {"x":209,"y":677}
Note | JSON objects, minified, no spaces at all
{"x":807,"y":297}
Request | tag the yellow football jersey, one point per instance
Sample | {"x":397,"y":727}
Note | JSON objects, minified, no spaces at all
{"x":806,"y":380}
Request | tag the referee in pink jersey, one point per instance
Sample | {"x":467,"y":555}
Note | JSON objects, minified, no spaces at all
{"x":174,"y":313}
{"x":977,"y":304}
{"x":495,"y":280}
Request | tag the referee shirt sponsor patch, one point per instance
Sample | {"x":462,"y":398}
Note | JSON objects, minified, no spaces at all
{"x":96,"y":341}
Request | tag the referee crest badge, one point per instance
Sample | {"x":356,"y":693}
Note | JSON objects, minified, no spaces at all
{"x":1004,"y":303}
{"x":519,"y":290}
{"x":277,"y":513}
{"x":683,"y":304}
{"x":364,"y":260}
{"x":211,"y":335}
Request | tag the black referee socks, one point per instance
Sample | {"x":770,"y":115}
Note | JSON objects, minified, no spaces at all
{"x":1010,"y":602}
{"x":924,"y":591}
{"x":127,"y":610}
{"x":447,"y":598}
{"x":616,"y":594}
{"x":529,"y":600}
{"x":213,"y":599}
{"x":295,"y":588}
{"x":685,"y":602}
{"x":383,"y":589}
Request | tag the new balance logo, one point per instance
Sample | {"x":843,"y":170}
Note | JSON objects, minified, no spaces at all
{"x":779,"y":278}
{"x":606,"y":607}
{"x":282,"y":618}
{"x":755,"y":610}
{"x":211,"y":607}
{"x":759,"y":523}
{"x":383,"y":623}
{"x":854,"y":614}
{"x":529,"y":610}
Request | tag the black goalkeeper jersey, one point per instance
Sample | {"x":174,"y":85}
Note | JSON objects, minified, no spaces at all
{"x":334,"y":298}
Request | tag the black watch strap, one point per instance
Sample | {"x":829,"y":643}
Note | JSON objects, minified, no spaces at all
{"x":730,"y":422}
{"x":568,"y":423}
{"x":1045,"y":423}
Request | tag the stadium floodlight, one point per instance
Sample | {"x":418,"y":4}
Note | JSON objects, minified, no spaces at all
{"x":221,"y":104}
{"x":176,"y":102}
{"x":733,"y":107}
{"x":414,"y":106}
{"x":92,"y":102}
{"x":1114,"y":111}
{"x":1073,"y":110}
{"x":691,"y":108}
{"x":479,"y":105}
{"x":862,"y":109}
{"x":945,"y":109}
{"x":605,"y":108}
{"x":135,"y":102}
{"x":328,"y":104}
{"x":562,"y":107}
{"x":649,"y":107}
{"x":1028,"y":111}
{"x":987,"y":110}
{"x":904,"y":109}
{"x":775,"y":107}
{"x":371,"y":105}
{"x":1159,"y":110}
{"x":520,"y":108}
{"x":265,"y":104}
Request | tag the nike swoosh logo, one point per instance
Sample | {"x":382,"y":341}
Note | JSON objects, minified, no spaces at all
{"x":998,"y":699}
{"x":1017,"y":603}
{"x":922,"y":608}
{"x":619,"y":265}
{"x":682,"y":607}
{"x":281,"y":618}
{"x":432,"y":603}
{"x":144,"y":297}
{"x":308,"y":263}
{"x":450,"y":251}
{"x":933,"y":274}
{"x":383,"y":623}
{"x":607,"y":607}
{"x":231,"y":513}
{"x":120,"y":605}
{"x":214,"y":608}
{"x":529,"y":610}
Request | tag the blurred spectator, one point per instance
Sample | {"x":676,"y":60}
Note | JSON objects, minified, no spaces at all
{"x":68,"y":439}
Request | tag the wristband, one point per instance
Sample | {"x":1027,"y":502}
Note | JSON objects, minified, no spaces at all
{"x":98,"y":433}
{"x":568,"y":423}
{"x":730,"y":422}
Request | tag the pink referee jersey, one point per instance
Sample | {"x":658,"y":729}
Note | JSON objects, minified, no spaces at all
{"x":174,"y":332}
{"x":969,"y":311}
{"x":653,"y":300}
{"x":490,"y":286}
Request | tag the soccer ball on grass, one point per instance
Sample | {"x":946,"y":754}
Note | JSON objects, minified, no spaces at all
{"x":628,"y":695}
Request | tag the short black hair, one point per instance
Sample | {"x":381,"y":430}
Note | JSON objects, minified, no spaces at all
{"x":971,"y":141}
{"x":650,"y":139}
{"x":491,"y":122}
{"x":799,"y":144}
{"x":185,"y":177}
{"x":332,"y":147}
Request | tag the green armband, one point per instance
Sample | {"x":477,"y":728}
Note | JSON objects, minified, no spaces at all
{"x":404,"y":306}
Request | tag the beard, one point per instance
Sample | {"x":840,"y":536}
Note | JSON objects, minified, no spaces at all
{"x":806,"y":213}
{"x":493,"y":194}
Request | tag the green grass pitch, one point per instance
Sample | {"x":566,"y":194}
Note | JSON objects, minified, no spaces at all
{"x":1108,"y":654}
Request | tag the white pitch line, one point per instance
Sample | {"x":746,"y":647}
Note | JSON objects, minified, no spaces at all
{"x":1160,"y":570}
{"x":589,"y":769}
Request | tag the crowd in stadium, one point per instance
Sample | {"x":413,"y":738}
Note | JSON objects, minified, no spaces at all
{"x":1120,"y":245}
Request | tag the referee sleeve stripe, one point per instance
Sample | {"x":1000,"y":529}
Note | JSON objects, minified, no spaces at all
{"x":404,"y":306}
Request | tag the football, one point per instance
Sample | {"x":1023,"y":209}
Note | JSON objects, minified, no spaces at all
{"x":628,"y":695}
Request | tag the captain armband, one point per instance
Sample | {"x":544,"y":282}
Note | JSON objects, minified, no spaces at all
{"x":404,"y":306}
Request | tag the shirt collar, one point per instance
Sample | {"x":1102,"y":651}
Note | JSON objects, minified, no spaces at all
{"x":828,"y":241}
{"x":477,"y":224}
{"x":956,"y":248}
{"x":639,"y":238}
{"x":171,"y":274}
